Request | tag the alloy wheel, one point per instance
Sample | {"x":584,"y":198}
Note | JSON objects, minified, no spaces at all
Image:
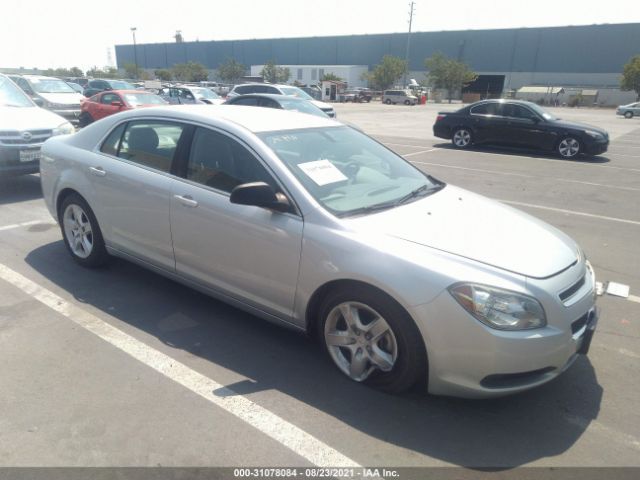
{"x":569,"y":147}
{"x":78,"y":231}
{"x":359,"y":340}
{"x":462,"y":138}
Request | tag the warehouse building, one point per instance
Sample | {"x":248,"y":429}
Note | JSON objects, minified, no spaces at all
{"x":506,"y":59}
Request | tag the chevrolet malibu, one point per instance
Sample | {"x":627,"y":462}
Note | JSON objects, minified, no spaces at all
{"x":313,"y":225}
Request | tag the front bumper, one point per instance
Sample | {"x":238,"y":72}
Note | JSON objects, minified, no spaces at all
{"x":469,"y":359}
{"x":596,"y":147}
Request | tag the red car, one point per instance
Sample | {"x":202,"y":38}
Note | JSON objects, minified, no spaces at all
{"x":109,"y":102}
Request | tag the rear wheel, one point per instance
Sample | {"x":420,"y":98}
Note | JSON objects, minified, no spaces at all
{"x":628,"y":114}
{"x":372,"y":339}
{"x":569,"y":147}
{"x":84,"y":119}
{"x":81,"y":232}
{"x":461,"y":137}
{"x":407,"y":102}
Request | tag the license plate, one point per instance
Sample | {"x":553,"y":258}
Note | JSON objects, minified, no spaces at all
{"x":30,"y":155}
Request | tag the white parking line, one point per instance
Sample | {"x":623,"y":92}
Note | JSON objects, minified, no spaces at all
{"x":287,"y":434}
{"x":420,"y":152}
{"x":633,"y":298}
{"x":18,"y":225}
{"x":407,"y":145}
{"x":570,"y":212}
{"x":497,"y":172}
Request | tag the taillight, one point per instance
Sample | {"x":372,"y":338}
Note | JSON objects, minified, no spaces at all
{"x":440,"y":117}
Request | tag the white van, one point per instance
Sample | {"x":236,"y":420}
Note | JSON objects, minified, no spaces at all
{"x":399,"y":96}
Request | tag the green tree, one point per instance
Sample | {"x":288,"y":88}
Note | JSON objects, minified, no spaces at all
{"x":449,"y":74}
{"x":331,"y":76}
{"x":386,"y":73}
{"x":130,"y":70}
{"x":63,"y":72}
{"x":272,"y":73}
{"x":190,"y":72}
{"x":631,"y":76}
{"x":107,"y":72}
{"x":164,"y":74}
{"x":231,"y":71}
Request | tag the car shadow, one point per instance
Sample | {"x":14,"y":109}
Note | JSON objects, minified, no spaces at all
{"x":20,"y":189}
{"x":494,"y":434}
{"x":504,"y":150}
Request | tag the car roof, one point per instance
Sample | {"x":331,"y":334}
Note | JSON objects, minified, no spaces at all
{"x":30,"y":76}
{"x":277,"y":85}
{"x":253,"y":119}
{"x":125,"y":91}
{"x":273,"y":96}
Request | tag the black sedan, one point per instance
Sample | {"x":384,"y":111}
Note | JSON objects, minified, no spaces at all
{"x":520,"y":124}
{"x":283,"y":102}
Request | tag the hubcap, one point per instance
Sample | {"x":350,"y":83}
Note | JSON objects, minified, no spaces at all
{"x":77,"y":229}
{"x":359,"y":340}
{"x":461,"y":138}
{"x":569,"y":147}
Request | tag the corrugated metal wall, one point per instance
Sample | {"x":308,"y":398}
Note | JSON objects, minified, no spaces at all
{"x":579,"y":49}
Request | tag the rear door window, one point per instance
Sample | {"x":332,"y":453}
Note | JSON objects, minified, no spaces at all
{"x":251,"y":101}
{"x":151,"y":143}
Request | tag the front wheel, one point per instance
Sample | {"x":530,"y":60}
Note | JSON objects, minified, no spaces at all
{"x":628,"y":114}
{"x":387,"y":101}
{"x":81,"y":232}
{"x":461,"y":138}
{"x":569,"y":147}
{"x":372,"y":339}
{"x":407,"y":102}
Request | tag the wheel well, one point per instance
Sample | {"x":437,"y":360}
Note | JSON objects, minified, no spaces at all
{"x":61,"y":196}
{"x":313,"y":306}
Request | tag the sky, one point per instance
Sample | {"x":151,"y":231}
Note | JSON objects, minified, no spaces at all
{"x":48,"y":34}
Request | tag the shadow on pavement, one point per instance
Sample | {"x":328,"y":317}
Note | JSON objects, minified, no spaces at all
{"x":502,"y":150}
{"x":20,"y":189}
{"x":500,"y":433}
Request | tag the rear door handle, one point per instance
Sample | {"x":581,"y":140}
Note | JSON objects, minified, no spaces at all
{"x":98,"y":171}
{"x":186,"y":200}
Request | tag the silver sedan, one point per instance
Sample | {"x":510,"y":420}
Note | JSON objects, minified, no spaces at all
{"x":313,"y":225}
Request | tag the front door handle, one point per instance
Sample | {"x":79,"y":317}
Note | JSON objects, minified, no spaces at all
{"x":98,"y":171}
{"x":186,"y":200}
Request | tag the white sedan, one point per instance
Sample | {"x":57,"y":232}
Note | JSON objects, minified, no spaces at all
{"x":313,"y":225}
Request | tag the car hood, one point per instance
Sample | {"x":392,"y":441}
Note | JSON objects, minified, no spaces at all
{"x":63,"y":98}
{"x":321,"y":105}
{"x":579,"y":126}
{"x":28,"y":118}
{"x":471,"y":226}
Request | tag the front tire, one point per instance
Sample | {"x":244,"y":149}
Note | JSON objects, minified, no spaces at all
{"x":407,"y":102}
{"x":84,"y":119}
{"x":569,"y":148}
{"x":372,"y":339}
{"x":462,"y":137}
{"x":387,"y":101}
{"x":81,"y":232}
{"x":628,"y":114}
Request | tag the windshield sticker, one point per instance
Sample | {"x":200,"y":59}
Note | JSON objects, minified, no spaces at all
{"x":322,"y":172}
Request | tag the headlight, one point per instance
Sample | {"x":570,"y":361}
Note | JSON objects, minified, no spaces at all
{"x":500,"y":309}
{"x":64,"y":129}
{"x":594,"y":134}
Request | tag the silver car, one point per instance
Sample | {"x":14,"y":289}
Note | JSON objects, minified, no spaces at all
{"x":313,"y":225}
{"x":629,"y":111}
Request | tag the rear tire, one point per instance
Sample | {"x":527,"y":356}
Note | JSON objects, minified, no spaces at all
{"x":81,"y":232}
{"x":389,"y":356}
{"x":407,"y":102}
{"x":387,"y":101}
{"x":85,"y":119}
{"x":462,"y":137}
{"x":628,"y":114}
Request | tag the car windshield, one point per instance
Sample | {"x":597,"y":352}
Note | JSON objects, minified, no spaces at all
{"x":120,"y":85}
{"x":348,"y":172}
{"x":302,"y":106}
{"x":50,"y":85}
{"x":541,"y":111}
{"x":12,"y":96}
{"x":296,"y":92}
{"x":136,"y":99}
{"x":204,"y":93}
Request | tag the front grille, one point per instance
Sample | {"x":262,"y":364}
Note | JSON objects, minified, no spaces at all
{"x":569,"y":292}
{"x":579,"y":323}
{"x":14,"y":137}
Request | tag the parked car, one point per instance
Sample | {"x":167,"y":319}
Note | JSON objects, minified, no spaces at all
{"x":98,"y":85}
{"x":313,"y":91}
{"x":23,"y":129}
{"x":629,"y":111}
{"x":282,"y":102}
{"x":186,"y":94}
{"x":280,"y":90}
{"x":314,"y":225}
{"x":399,"y":96}
{"x":82,"y":81}
{"x":113,"y":101}
{"x":76,"y":88}
{"x":521,"y":124}
{"x":51,"y":93}
{"x":358,"y":95}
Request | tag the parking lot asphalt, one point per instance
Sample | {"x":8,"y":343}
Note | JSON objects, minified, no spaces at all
{"x":121,"y":367}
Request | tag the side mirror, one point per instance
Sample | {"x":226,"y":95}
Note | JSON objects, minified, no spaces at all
{"x":38,"y":101}
{"x":116,"y":103}
{"x":259,"y":194}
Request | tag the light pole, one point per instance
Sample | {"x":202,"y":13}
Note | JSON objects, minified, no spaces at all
{"x":135,"y":50}
{"x":406,"y":55}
